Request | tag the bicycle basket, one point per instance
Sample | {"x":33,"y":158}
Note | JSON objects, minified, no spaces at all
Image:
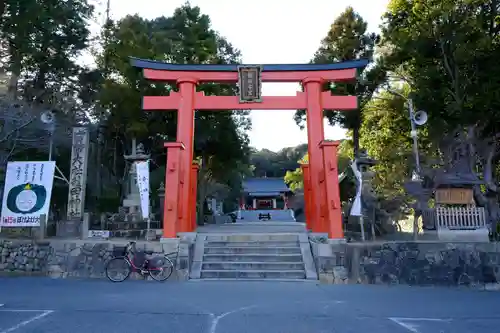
{"x":119,"y":251}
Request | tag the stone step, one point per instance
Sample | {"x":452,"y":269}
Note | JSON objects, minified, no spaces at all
{"x":253,"y":274}
{"x":253,"y":265}
{"x":251,"y":244}
{"x":256,"y":257}
{"x":254,"y":280}
{"x":252,"y":250}
{"x":252,"y":238}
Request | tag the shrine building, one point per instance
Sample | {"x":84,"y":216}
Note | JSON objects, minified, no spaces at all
{"x":265,"y":194}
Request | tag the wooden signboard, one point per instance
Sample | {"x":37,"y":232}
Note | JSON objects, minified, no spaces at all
{"x":250,"y":82}
{"x":458,"y":196}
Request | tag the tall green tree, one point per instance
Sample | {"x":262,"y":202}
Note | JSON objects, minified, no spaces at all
{"x":348,"y":39}
{"x":221,"y":141}
{"x":446,"y":51}
{"x":385,"y":133}
{"x":276,"y":164}
{"x":40,"y":42}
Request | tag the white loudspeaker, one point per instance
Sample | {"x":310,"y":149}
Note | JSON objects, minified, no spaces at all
{"x":47,"y":117}
{"x":420,"y":118}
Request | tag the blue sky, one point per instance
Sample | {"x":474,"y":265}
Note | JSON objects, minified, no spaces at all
{"x":267,"y":31}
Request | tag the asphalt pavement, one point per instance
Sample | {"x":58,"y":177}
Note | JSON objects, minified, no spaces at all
{"x":39,"y":305}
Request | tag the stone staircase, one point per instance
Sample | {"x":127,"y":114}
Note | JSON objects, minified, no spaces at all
{"x":253,"y":257}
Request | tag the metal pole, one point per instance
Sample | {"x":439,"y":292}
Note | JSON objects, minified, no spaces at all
{"x":414,"y":136}
{"x":373,"y":224}
{"x":417,"y":159}
{"x":361,"y":218}
{"x":98,"y":161}
{"x":149,"y":228}
{"x":100,"y":140}
{"x":51,"y":143}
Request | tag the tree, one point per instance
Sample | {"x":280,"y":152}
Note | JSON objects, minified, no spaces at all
{"x":446,"y":51}
{"x":271,"y":164}
{"x":40,"y":41}
{"x":221,"y":141}
{"x":348,"y":39}
{"x":385,"y":133}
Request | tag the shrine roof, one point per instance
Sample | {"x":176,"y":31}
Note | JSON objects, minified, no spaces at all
{"x":456,"y":179}
{"x":265,"y":185}
{"x":165,"y":66}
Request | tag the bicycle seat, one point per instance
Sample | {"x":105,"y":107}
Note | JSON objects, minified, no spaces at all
{"x":148,"y":252}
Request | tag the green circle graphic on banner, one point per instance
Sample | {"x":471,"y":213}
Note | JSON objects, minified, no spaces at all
{"x":26,"y":198}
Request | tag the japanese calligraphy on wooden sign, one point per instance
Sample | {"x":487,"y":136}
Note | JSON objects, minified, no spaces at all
{"x":78,"y":172}
{"x":250,"y":83}
{"x":458,"y":196}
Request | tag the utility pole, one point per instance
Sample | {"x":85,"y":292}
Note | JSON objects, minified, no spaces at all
{"x":414,"y":135}
{"x":416,"y":119}
{"x":101,"y":111}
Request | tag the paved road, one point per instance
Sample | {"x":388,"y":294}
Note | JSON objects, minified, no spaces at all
{"x":73,"y":306}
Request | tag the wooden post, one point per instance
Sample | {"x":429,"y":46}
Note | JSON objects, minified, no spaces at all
{"x":172,"y":195}
{"x":185,"y":134}
{"x":315,"y":135}
{"x":194,"y":189}
{"x":333,"y":209}
{"x":307,"y":195}
{"x":323,"y":210}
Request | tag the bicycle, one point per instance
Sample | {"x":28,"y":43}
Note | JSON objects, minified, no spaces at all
{"x":135,"y":261}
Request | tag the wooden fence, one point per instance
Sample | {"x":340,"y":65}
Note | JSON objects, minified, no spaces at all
{"x":454,"y":218}
{"x":460,"y":218}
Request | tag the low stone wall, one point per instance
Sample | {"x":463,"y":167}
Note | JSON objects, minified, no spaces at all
{"x":412,"y":263}
{"x":81,"y":259}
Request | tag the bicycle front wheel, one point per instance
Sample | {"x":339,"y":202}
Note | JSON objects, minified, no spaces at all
{"x":162,"y":268}
{"x":118,"y":269}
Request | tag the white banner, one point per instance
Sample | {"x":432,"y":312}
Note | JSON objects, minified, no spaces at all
{"x":142,"y":170}
{"x":27,"y":192}
{"x":356,"y":205}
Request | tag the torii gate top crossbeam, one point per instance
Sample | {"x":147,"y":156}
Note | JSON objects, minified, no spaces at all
{"x":161,"y":71}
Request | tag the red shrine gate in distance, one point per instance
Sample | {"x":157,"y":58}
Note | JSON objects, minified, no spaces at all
{"x":321,"y":185}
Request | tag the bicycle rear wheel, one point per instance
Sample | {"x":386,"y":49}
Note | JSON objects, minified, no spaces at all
{"x":162,"y":268}
{"x":118,"y":265}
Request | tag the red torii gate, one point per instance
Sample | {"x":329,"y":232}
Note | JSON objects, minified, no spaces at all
{"x":321,"y":187}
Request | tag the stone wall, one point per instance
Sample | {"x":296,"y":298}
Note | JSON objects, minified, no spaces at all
{"x":80,"y":259}
{"x":412,"y":263}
